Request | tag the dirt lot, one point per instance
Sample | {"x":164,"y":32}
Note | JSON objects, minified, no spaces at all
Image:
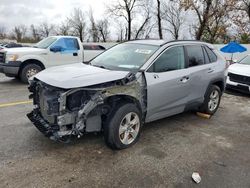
{"x":166,"y":155}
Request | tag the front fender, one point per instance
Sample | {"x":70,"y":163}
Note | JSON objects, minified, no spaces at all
{"x":33,"y":57}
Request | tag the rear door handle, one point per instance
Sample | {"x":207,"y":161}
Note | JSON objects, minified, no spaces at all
{"x":75,"y":54}
{"x":184,"y":79}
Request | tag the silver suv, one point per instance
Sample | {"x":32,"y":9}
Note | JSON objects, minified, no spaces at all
{"x":128,"y":85}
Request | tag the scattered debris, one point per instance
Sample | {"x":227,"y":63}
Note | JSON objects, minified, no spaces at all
{"x":196,"y":177}
{"x":207,"y":116}
{"x":220,"y":164}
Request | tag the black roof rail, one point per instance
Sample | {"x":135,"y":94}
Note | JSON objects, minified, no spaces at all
{"x":182,"y":41}
{"x":143,"y":39}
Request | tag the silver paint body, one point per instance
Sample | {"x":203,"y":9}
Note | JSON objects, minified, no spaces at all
{"x":168,"y":93}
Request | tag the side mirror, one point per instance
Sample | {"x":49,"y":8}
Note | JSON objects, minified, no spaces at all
{"x":56,"y":49}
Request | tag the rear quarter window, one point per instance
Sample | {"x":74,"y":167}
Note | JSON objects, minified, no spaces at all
{"x":211,"y":55}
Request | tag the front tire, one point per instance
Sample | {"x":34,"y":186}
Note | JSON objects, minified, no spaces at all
{"x":123,"y":129}
{"x":29,"y":71}
{"x":212,"y":100}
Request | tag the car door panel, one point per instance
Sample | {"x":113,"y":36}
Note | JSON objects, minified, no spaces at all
{"x":199,"y":80}
{"x":167,"y":93}
{"x":200,"y":72}
{"x":167,"y":84}
{"x":69,"y":54}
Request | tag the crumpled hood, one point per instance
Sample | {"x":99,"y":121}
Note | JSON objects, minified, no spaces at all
{"x":241,"y":69}
{"x":78,"y":75}
{"x":24,"y":50}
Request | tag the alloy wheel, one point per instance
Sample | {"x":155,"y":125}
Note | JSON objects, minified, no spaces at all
{"x":129,"y":128}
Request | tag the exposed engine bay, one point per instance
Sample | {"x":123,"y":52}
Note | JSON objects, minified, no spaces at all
{"x":61,"y":113}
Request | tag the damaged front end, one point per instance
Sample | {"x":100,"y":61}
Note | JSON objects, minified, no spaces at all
{"x":62,"y":113}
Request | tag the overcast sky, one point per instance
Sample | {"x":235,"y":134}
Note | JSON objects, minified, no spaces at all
{"x":27,"y":12}
{"x":15,"y":12}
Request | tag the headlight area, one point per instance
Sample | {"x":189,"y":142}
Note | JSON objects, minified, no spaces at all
{"x":77,"y":100}
{"x":78,"y":111}
{"x":59,"y":114}
{"x":12,"y":57}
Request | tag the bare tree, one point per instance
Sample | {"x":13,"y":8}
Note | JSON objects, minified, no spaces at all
{"x":174,"y":18}
{"x":241,"y":18}
{"x":77,"y":23}
{"x":205,"y":11}
{"x":2,"y":32}
{"x":35,"y":33}
{"x":125,"y":9}
{"x":149,"y":28}
{"x":121,"y":31}
{"x":93,"y":28}
{"x":63,"y":28}
{"x":159,"y":19}
{"x":146,"y":18}
{"x":220,"y":21}
{"x":45,"y":29}
{"x":103,"y":29}
{"x":202,"y":10}
{"x":244,"y":5}
{"x":19,"y":32}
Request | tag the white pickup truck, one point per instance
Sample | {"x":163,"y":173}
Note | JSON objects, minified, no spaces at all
{"x":52,"y":51}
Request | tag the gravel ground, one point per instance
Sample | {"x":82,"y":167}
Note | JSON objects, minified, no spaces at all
{"x":168,"y":152}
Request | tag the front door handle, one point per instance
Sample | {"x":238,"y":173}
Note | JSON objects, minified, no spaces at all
{"x":210,"y":70}
{"x":75,"y":54}
{"x":156,"y":76}
{"x":184,"y":79}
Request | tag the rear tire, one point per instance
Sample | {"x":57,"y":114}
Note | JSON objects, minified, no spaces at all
{"x":212,"y":100}
{"x":29,"y":71}
{"x":123,"y":128}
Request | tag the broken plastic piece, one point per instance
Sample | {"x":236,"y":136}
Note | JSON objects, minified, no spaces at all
{"x":196,"y":177}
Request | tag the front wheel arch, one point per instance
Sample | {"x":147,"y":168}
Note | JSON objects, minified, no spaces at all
{"x":30,"y":61}
{"x":115,"y":100}
{"x":37,"y":65}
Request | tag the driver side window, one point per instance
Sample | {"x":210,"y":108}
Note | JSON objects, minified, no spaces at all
{"x":171,"y":59}
{"x":67,"y":44}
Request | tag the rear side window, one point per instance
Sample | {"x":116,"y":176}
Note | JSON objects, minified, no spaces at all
{"x":195,"y":55}
{"x":93,"y":47}
{"x":171,"y":59}
{"x":211,"y":55}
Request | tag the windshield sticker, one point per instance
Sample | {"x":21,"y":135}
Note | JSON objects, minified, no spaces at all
{"x":143,"y":51}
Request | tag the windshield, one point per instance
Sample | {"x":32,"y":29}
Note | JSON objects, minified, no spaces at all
{"x":126,"y":56}
{"x":45,"y":43}
{"x":246,"y":60}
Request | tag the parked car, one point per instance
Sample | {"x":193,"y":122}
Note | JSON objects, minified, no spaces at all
{"x":25,"y":62}
{"x":10,"y":45}
{"x":2,"y":45}
{"x":13,"y":45}
{"x":92,"y":50}
{"x":126,"y":86}
{"x":239,"y":75}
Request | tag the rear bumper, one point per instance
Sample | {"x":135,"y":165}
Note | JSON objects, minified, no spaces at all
{"x":11,"y":68}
